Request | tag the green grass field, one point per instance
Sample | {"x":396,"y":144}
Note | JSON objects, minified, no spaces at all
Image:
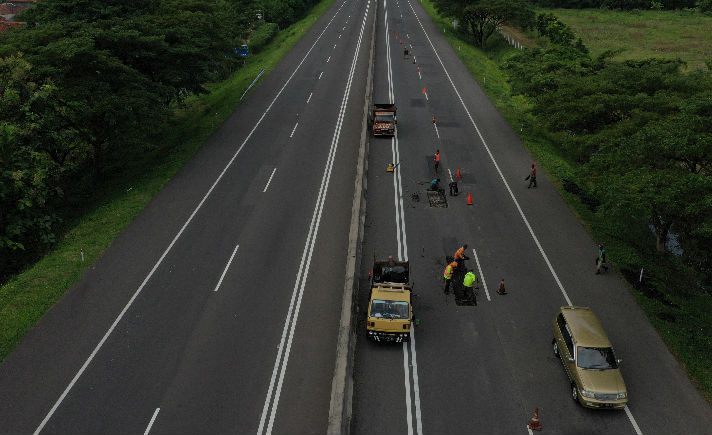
{"x":25,"y":298}
{"x":686,"y":324}
{"x":643,"y":34}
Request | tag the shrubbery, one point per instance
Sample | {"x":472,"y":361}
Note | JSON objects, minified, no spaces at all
{"x":641,"y":134}
{"x":617,"y":4}
{"x":262,"y":35}
{"x":85,"y":85}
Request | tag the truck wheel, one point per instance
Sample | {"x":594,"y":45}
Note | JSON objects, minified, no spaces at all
{"x":556,"y":348}
{"x":574,"y":392}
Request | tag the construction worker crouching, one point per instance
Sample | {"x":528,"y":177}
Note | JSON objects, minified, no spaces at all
{"x":448,"y":275}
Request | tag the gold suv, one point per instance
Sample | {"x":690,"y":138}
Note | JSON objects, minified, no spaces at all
{"x":588,"y":359}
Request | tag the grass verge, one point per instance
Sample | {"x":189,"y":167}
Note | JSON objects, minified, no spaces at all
{"x":638,"y":35}
{"x":26,"y":297}
{"x":683,"y":318}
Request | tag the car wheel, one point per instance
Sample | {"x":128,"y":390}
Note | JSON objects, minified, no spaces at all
{"x":556,"y":348}
{"x":574,"y":392}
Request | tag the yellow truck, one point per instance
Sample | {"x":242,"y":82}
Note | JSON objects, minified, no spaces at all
{"x":390,"y":313}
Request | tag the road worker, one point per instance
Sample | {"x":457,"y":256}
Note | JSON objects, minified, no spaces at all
{"x":436,"y":159}
{"x":601,"y":260}
{"x":448,"y":275}
{"x":531,"y":177}
{"x":470,"y":279}
{"x":469,"y":282}
{"x":501,"y":290}
{"x":460,"y":254}
{"x":434,"y":186}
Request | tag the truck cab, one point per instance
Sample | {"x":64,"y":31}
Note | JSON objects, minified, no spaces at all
{"x":384,"y":119}
{"x":390,"y":312}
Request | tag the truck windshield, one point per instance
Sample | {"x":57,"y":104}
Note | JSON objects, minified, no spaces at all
{"x":389,"y":309}
{"x":384,"y":118}
{"x":600,"y":358}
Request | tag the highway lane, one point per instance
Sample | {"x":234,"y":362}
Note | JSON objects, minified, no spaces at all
{"x":217,"y":310}
{"x":485,"y":368}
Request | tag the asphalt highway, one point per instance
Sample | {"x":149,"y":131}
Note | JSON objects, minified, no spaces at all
{"x":217,"y":309}
{"x":485,"y":368}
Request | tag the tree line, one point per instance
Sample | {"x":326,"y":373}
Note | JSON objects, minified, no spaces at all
{"x":85,"y":84}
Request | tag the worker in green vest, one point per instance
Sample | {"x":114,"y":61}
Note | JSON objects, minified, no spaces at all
{"x":470,"y":279}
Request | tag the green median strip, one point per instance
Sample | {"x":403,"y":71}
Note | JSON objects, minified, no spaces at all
{"x":27,"y":297}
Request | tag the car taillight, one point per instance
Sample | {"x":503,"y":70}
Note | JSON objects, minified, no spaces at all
{"x":406,"y":326}
{"x":371,"y":323}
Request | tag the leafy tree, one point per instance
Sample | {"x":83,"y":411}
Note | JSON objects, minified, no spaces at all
{"x":484,"y":17}
{"x":29,"y":180}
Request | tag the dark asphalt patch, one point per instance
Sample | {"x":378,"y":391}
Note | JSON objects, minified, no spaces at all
{"x":437,"y":198}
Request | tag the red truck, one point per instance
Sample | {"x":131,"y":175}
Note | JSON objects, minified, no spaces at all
{"x":384,"y":119}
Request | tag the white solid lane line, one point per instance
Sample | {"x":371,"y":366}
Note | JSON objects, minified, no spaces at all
{"x":177,"y":236}
{"x":320,"y":74}
{"x":509,"y":190}
{"x":310,"y":95}
{"x":408,"y":411}
{"x":416,"y":384}
{"x":282,"y":359}
{"x":479,"y":269}
{"x":327,"y":60}
{"x":450,"y":173}
{"x":632,"y":421}
{"x":402,"y":251}
{"x":434,"y":124}
{"x":269,"y":181}
{"x":227,"y":266}
{"x":294,"y":129}
{"x":150,"y":423}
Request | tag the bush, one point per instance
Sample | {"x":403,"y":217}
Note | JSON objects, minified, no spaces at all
{"x":262,"y":35}
{"x":705,"y":5}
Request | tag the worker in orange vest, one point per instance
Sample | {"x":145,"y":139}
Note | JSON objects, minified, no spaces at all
{"x":460,"y":254}
{"x":436,"y":159}
{"x":448,"y":275}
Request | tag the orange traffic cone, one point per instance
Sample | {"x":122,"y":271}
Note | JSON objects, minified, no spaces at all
{"x":418,"y":69}
{"x":424,"y":91}
{"x":469,"y":199}
{"x":433,"y":119}
{"x":401,"y":42}
{"x":459,"y":175}
{"x":534,"y":422}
